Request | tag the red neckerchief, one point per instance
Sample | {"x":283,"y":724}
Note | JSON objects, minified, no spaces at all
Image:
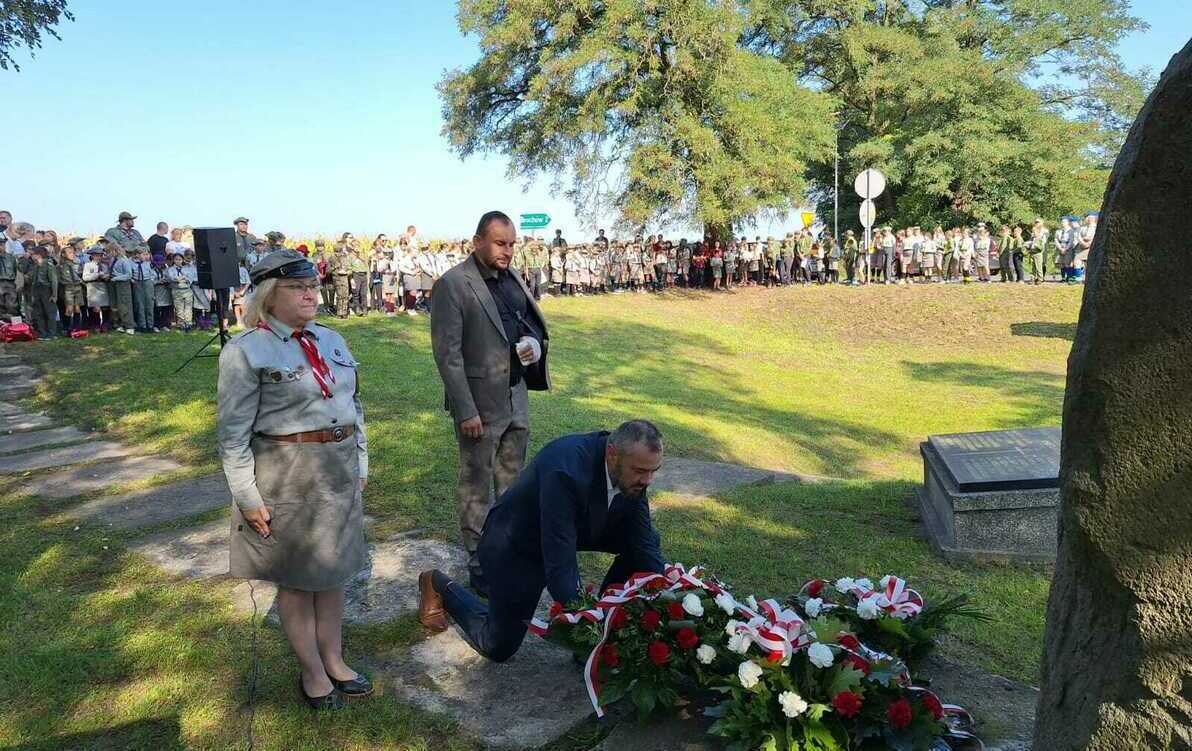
{"x":318,"y":365}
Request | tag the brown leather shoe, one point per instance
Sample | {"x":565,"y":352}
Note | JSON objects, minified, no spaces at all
{"x":430,"y":604}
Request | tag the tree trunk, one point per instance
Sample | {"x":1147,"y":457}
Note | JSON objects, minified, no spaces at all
{"x":1117,"y":668}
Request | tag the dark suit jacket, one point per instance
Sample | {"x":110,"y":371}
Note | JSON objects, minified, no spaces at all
{"x":470,"y":347}
{"x":559,"y":505}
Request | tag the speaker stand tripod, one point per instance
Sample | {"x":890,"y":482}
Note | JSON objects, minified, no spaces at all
{"x":222,"y":334}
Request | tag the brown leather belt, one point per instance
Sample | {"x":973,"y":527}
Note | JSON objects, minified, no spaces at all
{"x":330,"y":435}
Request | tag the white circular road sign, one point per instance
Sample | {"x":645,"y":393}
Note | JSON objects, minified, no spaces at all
{"x":870,"y":183}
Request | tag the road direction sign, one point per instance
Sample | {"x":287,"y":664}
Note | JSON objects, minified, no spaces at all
{"x":534,"y":221}
{"x":867,"y":213}
{"x":870,"y":183}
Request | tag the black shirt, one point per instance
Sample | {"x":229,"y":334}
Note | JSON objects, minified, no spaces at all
{"x":511,"y":304}
{"x":157,"y":244}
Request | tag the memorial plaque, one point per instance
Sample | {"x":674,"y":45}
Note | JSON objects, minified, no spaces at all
{"x":1001,"y":460}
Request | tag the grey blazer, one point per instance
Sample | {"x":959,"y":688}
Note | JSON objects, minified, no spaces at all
{"x":470,"y":348}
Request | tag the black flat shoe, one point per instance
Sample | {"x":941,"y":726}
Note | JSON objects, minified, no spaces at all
{"x":357,"y":688}
{"x":332,"y":702}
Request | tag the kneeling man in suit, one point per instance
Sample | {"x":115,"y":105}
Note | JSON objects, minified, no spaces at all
{"x":581,"y":492}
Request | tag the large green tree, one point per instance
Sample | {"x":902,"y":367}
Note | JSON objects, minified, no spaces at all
{"x":22,"y":23}
{"x":652,"y":107}
{"x":976,"y":109}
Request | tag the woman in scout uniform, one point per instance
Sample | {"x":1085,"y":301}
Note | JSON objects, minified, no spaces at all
{"x":70,"y":286}
{"x":291,"y":438}
{"x":95,"y":276}
{"x":1005,"y":254}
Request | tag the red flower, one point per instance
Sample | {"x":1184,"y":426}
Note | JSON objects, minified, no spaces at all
{"x":619,"y":619}
{"x":610,"y":656}
{"x":650,"y":620}
{"x":659,"y":653}
{"x":898,"y":714}
{"x":859,"y":664}
{"x":775,"y":655}
{"x":655,"y":584}
{"x":590,"y":589}
{"x":675,"y":611}
{"x":932,"y":704}
{"x":848,"y":640}
{"x":614,"y":585}
{"x":687,"y":638}
{"x":815,"y":587}
{"x":555,"y":609}
{"x":846,"y":704}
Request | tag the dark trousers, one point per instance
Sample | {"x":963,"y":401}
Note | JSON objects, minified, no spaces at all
{"x":45,"y":312}
{"x":359,"y":299}
{"x":496,"y":629}
{"x":378,"y":300}
{"x":123,"y":304}
{"x":532,"y":276}
{"x":1018,"y":272}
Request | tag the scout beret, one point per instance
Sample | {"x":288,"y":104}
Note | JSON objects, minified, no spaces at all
{"x":240,"y":219}
{"x":282,"y":264}
{"x":124,"y":215}
{"x":95,"y":250}
{"x":258,"y":243}
{"x":274,"y":236}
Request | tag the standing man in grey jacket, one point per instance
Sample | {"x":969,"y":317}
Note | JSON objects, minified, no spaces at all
{"x":490,"y":342}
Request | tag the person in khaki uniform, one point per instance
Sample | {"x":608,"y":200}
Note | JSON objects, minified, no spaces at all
{"x":70,"y":285}
{"x":293,"y":446}
{"x":341,"y":275}
{"x":43,"y":286}
{"x":489,"y":341}
{"x":8,"y":282}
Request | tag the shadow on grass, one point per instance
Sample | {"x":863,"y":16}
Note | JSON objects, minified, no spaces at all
{"x":1044,"y":329}
{"x":158,"y":734}
{"x":1035,"y":395}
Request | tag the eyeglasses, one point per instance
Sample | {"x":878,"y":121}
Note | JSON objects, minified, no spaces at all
{"x":301,"y":288}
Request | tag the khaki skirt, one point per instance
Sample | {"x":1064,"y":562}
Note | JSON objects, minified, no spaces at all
{"x":313,"y":493}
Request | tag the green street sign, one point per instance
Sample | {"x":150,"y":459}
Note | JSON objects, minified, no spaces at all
{"x":534,"y":221}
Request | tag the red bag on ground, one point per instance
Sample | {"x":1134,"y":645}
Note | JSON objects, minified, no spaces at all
{"x":16,"y":332}
{"x":79,"y":333}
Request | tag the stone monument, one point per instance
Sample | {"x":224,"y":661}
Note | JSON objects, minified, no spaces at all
{"x":1117,"y":663}
{"x":992,"y":495}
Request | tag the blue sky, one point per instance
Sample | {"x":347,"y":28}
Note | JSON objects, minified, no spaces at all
{"x":305,"y":116}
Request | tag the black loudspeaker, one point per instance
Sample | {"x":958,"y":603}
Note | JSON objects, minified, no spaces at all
{"x":216,"y":262}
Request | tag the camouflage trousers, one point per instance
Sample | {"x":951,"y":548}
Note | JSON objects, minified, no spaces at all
{"x":342,"y":295}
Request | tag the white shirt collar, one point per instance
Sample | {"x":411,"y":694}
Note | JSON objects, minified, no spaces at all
{"x":612,"y":490}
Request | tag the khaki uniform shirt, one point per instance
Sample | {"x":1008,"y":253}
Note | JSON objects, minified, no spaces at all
{"x":130,"y":239}
{"x":266,"y":386}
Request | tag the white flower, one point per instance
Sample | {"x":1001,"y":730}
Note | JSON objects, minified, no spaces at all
{"x":705,"y":654}
{"x":844,"y":585}
{"x":820,"y":655}
{"x":793,"y":705}
{"x":730,"y":628}
{"x":748,"y":673}
{"x":867,"y":608}
{"x":692,"y":605}
{"x":813,"y":607}
{"x":901,"y":615}
{"x":739,"y":643}
{"x":864,"y":584}
{"x":726,"y":602}
{"x":751,"y":601}
{"x":886,"y":580}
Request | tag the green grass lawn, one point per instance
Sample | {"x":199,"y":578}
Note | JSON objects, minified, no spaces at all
{"x":835,"y":382}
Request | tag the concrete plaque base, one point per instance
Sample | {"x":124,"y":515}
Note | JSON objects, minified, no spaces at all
{"x":1005,"y":523}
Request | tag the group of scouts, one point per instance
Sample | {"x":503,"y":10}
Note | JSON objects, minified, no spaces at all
{"x":121,"y":282}
{"x":911,"y":255}
{"x":126,"y":283}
